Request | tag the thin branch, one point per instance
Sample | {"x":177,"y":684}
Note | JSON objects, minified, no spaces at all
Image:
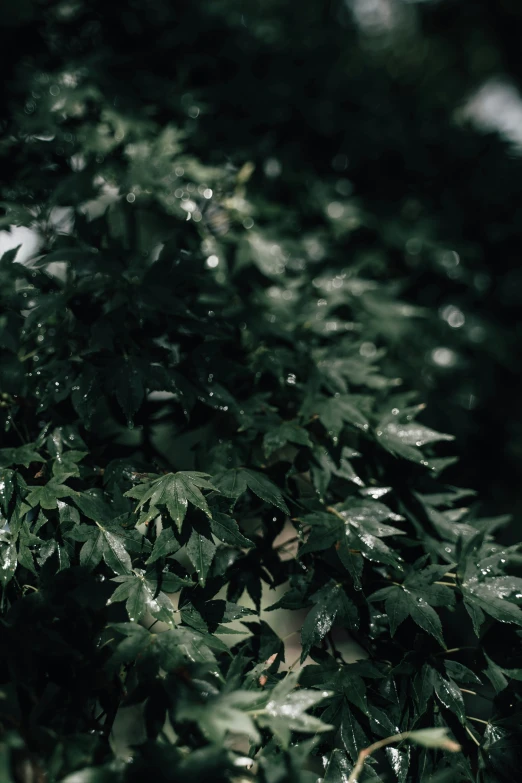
{"x":478,"y":720}
{"x":365,"y":752}
{"x":456,"y":649}
{"x":293,"y":664}
{"x":447,"y":584}
{"x":475,"y":740}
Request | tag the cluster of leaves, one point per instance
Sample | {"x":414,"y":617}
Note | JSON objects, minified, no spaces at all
{"x":180,"y":384}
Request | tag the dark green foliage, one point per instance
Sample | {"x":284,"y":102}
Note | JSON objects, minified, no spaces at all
{"x":214,"y":344}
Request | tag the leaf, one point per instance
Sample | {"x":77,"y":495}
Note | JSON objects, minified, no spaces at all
{"x":433,"y":738}
{"x":175,"y":491}
{"x":353,"y":737}
{"x":491,"y":596}
{"x":286,"y":710}
{"x":264,"y":489}
{"x":105,"y":543}
{"x":8,"y":561}
{"x":128,"y":386}
{"x":338,"y":767}
{"x":330,"y":603}
{"x":335,"y":412}
{"x":403,"y":437}
{"x":47,"y":496}
{"x":166,"y":544}
{"x":201,"y":551}
{"x":449,"y":695}
{"x":457,"y":671}
{"x":287,"y":432}
{"x":226,"y":530}
{"x":364,"y":528}
{"x":223,"y":715}
{"x":495,"y":675}
{"x":232,"y":483}
{"x":93,"y":507}
{"x":423,"y":688}
{"x":352,"y":561}
{"x":412,"y":601}
{"x":23,"y":455}
{"x":140,"y":596}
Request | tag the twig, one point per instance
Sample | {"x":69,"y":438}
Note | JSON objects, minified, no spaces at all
{"x":456,"y":649}
{"x":475,"y":740}
{"x":365,"y":752}
{"x":447,"y":584}
{"x":478,"y":720}
{"x":293,"y":664}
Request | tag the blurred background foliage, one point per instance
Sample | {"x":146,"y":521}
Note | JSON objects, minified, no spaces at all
{"x":384,"y":136}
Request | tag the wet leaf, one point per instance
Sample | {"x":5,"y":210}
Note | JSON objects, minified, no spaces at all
{"x":174,"y":491}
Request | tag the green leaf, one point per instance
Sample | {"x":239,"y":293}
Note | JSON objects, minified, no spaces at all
{"x":338,"y":767}
{"x":8,"y":561}
{"x":412,"y":601}
{"x":105,"y":543}
{"x":166,"y":544}
{"x":352,"y":735}
{"x":93,"y":507}
{"x":47,"y":496}
{"x":352,"y":561}
{"x":232,"y":483}
{"x":264,"y":489}
{"x":286,"y":710}
{"x":287,"y":432}
{"x":140,"y":596}
{"x":223,"y":715}
{"x":23,"y":455}
{"x":404,"y":438}
{"x":364,"y":528}
{"x":175,"y":491}
{"x":330,"y":603}
{"x":492,"y":596}
{"x":431,"y":738}
{"x":449,"y":695}
{"x":226,"y":530}
{"x":201,"y":551}
{"x":128,"y":386}
{"x":423,"y":688}
{"x":335,"y":412}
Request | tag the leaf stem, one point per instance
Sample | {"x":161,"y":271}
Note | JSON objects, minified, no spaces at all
{"x":456,"y":649}
{"x":365,"y":752}
{"x":293,"y":664}
{"x":446,"y":584}
{"x":478,"y":720}
{"x":475,"y":740}
{"x":334,"y":511}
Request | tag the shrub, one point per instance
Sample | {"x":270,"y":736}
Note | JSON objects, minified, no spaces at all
{"x":191,"y":369}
